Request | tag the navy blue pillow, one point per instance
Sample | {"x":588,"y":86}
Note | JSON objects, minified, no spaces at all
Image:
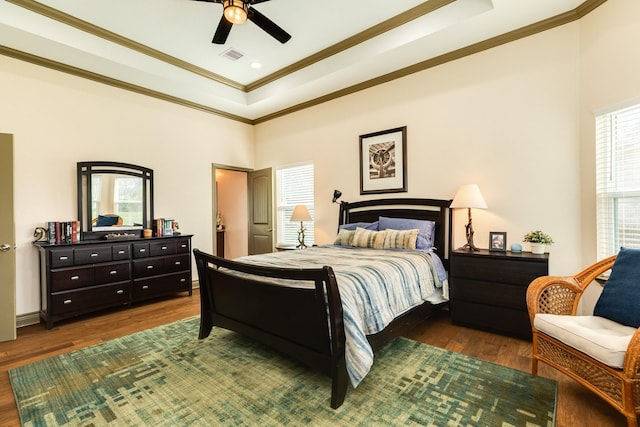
{"x":620,"y":298}
{"x":106,"y":221}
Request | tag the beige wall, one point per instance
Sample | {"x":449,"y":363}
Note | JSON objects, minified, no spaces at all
{"x":610,"y":76}
{"x":59,"y":120}
{"x":506,"y":119}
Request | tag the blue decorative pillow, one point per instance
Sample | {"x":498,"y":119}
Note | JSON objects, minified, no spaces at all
{"x":620,"y":298}
{"x":366,"y":225}
{"x":106,"y":221}
{"x":425,"y":229}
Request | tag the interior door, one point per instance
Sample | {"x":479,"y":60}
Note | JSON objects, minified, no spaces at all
{"x":260,"y":211}
{"x":7,"y":242}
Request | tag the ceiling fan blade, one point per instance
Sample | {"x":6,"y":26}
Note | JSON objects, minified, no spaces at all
{"x":222,"y":32}
{"x":268,"y":25}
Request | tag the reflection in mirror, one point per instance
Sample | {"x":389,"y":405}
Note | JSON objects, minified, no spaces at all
{"x":114,"y":196}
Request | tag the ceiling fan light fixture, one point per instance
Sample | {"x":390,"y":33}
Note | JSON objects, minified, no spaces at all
{"x":235,"y":11}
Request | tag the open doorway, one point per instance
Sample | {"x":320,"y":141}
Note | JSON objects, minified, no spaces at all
{"x":231,"y":212}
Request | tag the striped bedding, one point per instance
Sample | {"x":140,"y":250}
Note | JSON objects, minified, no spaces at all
{"x":376,"y":285}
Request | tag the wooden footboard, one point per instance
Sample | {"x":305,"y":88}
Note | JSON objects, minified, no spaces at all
{"x":295,"y":319}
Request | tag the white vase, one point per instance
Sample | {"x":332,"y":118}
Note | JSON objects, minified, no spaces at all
{"x":537,"y":248}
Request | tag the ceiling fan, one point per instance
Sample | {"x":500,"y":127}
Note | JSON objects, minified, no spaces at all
{"x":237,"y":12}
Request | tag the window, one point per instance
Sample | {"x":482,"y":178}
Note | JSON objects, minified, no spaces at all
{"x":294,"y":186}
{"x":618,"y":180}
{"x":127,"y":199}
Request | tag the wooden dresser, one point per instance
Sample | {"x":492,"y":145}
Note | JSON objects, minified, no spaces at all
{"x":83,"y":277}
{"x":488,"y":289}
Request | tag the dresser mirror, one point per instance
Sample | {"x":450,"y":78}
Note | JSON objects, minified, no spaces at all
{"x":114,"y":197}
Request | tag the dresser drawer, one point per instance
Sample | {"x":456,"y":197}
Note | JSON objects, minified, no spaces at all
{"x":140,"y":250}
{"x":91,"y":255}
{"x":148,"y":267}
{"x":111,"y":273}
{"x":154,"y":286}
{"x":512,"y":271}
{"x":61,"y":258}
{"x":162,"y":247}
{"x":177,"y":263}
{"x":71,"y":278}
{"x":491,"y":318}
{"x":120,"y":252}
{"x":89,"y":299}
{"x":182,"y":245}
{"x":489,"y":293}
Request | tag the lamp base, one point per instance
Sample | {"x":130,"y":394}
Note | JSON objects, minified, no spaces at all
{"x":469,"y":247}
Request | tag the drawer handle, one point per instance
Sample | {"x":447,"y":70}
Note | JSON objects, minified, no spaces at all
{"x":67,"y":301}
{"x":142,"y":250}
{"x":183,"y":245}
{"x":149,"y":267}
{"x":64,"y":258}
{"x":178,"y":263}
{"x":119,"y":292}
{"x":164,"y":248}
{"x":183,"y":280}
{"x":145,"y":286}
{"x":112,"y":272}
{"x":94,"y":254}
{"x":75,"y":277}
{"x":120,"y":252}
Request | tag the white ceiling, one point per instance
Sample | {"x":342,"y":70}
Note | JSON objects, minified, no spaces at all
{"x":164,"y":46}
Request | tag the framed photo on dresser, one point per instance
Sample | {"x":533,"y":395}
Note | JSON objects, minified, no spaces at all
{"x":498,"y":241}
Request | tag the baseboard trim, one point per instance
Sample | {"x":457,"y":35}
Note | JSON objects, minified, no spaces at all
{"x":27,"y":319}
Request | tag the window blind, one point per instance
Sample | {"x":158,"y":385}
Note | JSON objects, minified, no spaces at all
{"x":618,"y":180}
{"x":294,"y":186}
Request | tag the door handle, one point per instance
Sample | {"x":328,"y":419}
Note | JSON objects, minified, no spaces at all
{"x":5,"y":248}
{"x":269,"y":230}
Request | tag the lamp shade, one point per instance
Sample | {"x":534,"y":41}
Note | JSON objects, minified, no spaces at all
{"x":469,"y":196}
{"x":300,"y":213}
{"x":235,"y":11}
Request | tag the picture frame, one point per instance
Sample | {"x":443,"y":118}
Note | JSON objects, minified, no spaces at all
{"x":498,"y":241}
{"x":383,"y":161}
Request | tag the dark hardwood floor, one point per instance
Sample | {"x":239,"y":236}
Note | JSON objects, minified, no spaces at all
{"x":576,"y":406}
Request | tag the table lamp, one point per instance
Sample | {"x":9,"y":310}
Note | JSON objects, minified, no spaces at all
{"x":469,"y":196}
{"x":300,"y":213}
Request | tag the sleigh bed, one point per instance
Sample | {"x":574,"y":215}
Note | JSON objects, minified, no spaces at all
{"x":311,"y":304}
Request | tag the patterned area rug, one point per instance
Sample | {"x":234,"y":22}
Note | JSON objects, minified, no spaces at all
{"x":166,"y":377}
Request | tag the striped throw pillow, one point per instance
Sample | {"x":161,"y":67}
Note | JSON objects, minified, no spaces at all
{"x":369,"y":238}
{"x":345,"y":238}
{"x":401,"y":239}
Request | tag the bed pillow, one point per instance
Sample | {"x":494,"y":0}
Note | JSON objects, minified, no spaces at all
{"x":106,"y":221}
{"x":400,"y":239}
{"x":620,"y":298}
{"x":368,"y":238}
{"x":365,"y":225}
{"x":425,"y":228}
{"x":345,"y":237}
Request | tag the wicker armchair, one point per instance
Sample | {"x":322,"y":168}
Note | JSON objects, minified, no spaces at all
{"x":561,"y":295}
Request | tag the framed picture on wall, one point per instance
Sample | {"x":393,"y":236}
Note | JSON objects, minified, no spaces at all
{"x":497,"y":241}
{"x":383,"y":161}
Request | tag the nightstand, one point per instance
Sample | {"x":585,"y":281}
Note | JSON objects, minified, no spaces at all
{"x":488,"y":289}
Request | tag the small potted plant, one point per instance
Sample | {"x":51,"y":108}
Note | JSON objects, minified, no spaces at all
{"x":538,"y":241}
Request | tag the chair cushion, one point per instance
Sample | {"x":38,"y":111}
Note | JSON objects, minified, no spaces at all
{"x":620,"y":298}
{"x":600,"y":338}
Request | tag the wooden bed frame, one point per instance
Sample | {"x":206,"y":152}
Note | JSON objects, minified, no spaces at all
{"x":262,"y":310}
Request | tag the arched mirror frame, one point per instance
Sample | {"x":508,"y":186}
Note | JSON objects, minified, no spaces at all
{"x":86,"y":173}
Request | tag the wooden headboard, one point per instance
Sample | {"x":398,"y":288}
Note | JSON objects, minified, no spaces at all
{"x":426,"y":209}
